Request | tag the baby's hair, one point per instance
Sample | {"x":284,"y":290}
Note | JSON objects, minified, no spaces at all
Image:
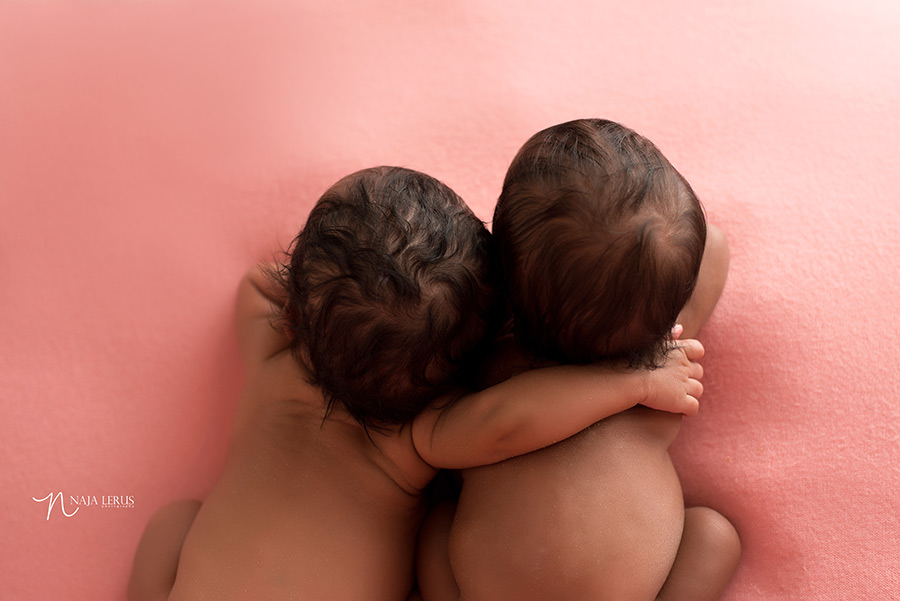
{"x":600,"y":242}
{"x":391,"y":293}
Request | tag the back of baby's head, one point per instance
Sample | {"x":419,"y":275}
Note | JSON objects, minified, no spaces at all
{"x":391,"y":292}
{"x":600,"y":240}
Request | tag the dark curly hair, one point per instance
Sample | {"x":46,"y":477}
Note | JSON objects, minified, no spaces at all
{"x":600,"y":242}
{"x":391,"y":289}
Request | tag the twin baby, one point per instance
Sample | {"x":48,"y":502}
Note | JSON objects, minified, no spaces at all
{"x":541,"y":361}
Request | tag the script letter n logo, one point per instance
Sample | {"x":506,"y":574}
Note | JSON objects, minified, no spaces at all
{"x":52,"y":501}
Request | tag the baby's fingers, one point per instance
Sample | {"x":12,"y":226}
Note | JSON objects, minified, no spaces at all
{"x":692,"y":348}
{"x":691,"y":400}
{"x":695,"y":388}
{"x":691,"y":406}
{"x":695,"y":370}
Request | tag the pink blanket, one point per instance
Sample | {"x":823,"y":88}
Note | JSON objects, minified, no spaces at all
{"x":151,"y":151}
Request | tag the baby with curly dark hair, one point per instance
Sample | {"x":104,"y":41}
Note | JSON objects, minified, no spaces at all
{"x":357,"y":354}
{"x":604,"y":248}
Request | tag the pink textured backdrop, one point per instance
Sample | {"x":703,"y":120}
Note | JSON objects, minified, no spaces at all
{"x":151,"y":151}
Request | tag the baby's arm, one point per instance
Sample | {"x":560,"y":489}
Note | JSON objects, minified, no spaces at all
{"x":258,"y":300}
{"x":543,"y":406}
{"x":710,"y":283}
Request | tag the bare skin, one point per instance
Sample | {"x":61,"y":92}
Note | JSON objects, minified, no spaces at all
{"x":597,"y":516}
{"x":311,"y":507}
{"x":299,"y":499}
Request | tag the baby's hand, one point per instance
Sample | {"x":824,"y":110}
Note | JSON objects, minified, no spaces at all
{"x":675,"y":387}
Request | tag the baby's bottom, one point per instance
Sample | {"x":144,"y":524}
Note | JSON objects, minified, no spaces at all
{"x":600,"y":516}
{"x":707,"y":558}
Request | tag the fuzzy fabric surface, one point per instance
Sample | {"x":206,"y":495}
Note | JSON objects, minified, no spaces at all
{"x":150,"y":152}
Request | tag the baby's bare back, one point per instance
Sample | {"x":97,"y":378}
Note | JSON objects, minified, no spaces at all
{"x":304,"y":509}
{"x":598,"y":516}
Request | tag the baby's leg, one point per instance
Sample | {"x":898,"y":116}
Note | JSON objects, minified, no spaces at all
{"x":710,"y":282}
{"x":156,"y":559}
{"x":433,"y":570}
{"x":707,"y":558}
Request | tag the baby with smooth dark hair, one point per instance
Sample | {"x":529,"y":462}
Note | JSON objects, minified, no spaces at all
{"x":601,"y":241}
{"x":604,"y":249}
{"x":358,"y":354}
